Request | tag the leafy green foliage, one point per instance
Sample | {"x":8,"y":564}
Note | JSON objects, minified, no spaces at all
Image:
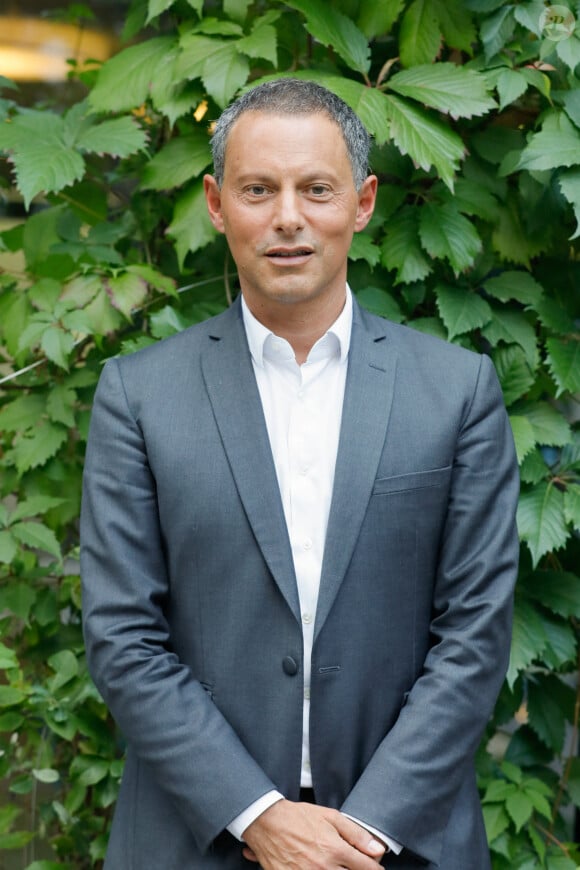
{"x":475,"y":115}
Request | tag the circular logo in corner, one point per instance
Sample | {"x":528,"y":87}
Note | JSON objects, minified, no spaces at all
{"x":557,"y":23}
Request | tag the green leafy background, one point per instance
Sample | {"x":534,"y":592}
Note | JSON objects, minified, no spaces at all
{"x":475,"y":114}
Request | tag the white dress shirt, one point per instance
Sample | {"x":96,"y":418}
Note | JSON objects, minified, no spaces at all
{"x":303,"y":408}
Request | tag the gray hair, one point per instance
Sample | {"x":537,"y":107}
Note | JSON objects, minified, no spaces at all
{"x":295,"y":97}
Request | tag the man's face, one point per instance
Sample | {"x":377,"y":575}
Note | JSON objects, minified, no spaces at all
{"x":288,"y":207}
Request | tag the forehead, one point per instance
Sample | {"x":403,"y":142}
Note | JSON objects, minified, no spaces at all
{"x":284,"y":141}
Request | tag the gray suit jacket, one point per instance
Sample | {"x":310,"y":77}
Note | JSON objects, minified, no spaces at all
{"x":191,"y":610}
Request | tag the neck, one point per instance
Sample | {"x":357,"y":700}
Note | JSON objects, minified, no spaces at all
{"x":301,"y":326}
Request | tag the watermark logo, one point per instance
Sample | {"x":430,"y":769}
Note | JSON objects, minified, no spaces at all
{"x":557,"y":23}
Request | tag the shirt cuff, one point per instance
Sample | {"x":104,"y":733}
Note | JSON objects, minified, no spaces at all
{"x":392,"y":844}
{"x":238,"y":825}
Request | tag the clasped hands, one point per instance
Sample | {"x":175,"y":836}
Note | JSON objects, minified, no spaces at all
{"x":302,"y":836}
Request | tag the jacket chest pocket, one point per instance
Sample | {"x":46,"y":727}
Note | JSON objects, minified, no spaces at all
{"x":412,"y":482}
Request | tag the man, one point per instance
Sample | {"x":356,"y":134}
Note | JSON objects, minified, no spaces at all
{"x":298,"y":543}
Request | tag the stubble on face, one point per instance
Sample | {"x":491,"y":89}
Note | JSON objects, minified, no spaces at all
{"x":289,"y":207}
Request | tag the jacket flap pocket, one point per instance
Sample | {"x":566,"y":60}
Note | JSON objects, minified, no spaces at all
{"x":414,"y":480}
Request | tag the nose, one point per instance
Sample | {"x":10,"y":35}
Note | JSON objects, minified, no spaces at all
{"x":288,"y":216}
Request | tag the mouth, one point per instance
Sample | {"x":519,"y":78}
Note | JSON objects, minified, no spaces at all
{"x":289,"y":254}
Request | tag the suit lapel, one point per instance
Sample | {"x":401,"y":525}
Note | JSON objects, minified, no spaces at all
{"x":367,"y":403}
{"x":233,"y":393}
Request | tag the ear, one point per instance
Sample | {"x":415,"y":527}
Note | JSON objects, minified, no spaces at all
{"x":214,"y":202}
{"x":366,"y":202}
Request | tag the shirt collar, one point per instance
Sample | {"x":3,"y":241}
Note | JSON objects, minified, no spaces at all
{"x":339,"y":333}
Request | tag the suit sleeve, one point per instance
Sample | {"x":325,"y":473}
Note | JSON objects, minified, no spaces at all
{"x":165,"y":714}
{"x":412,"y":781}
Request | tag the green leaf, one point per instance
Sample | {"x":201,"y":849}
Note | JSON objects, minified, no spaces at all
{"x":497,"y":30}
{"x":511,"y":84}
{"x":57,"y":345}
{"x":564,"y":364}
{"x":380,"y":302}
{"x":554,"y":317}
{"x":261,"y":43}
{"x":363,"y":248}
{"x":17,"y":598}
{"x":120,"y":137}
{"x":179,"y":161}
{"x":420,"y":36}
{"x":496,"y":821}
{"x":8,"y":657}
{"x":60,"y":405}
{"x":456,"y":23}
{"x":46,"y":774}
{"x":16,"y":839}
{"x":561,"y":649}
{"x":540,"y":519}
{"x":534,"y":467}
{"x":524,"y":437}
{"x":224,"y":73}
{"x":570,"y":186}
{"x":23,"y":413}
{"x":126,"y":292}
{"x":520,"y":286}
{"x":370,"y":105}
{"x":157,"y":7}
{"x":9,"y":696}
{"x":568,"y":50}
{"x":454,"y":89}
{"x":167,"y":322}
{"x":550,"y":426}
{"x":550,"y":707}
{"x":42,"y":162}
{"x":574,"y":781}
{"x":426,"y":140}
{"x":460,"y":310}
{"x":8,"y":547}
{"x":330,"y":27}
{"x":520,"y":808}
{"x":559,"y":591}
{"x":528,"y":639}
{"x":47,"y":865}
{"x":376,"y":19}
{"x":34,"y":450}
{"x":35,"y":505}
{"x":514,"y":372}
{"x":475,"y":199}
{"x":66,"y":667}
{"x":191,"y":227}
{"x":38,"y":536}
{"x":235,"y":9}
{"x":558,"y":144}
{"x":125,"y":81}
{"x":162,"y":283}
{"x":447,"y":234}
{"x":512,"y":327}
{"x":401,"y":249}
{"x":572,"y":505}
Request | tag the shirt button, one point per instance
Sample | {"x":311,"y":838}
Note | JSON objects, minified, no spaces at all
{"x":307,"y":544}
{"x":300,"y":394}
{"x":304,"y":469}
{"x":307,"y":694}
{"x":306,"y":618}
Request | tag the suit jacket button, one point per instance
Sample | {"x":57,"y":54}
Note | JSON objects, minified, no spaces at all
{"x":290,"y":666}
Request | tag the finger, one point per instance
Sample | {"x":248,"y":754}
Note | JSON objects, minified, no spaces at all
{"x":249,"y":855}
{"x":359,"y":837}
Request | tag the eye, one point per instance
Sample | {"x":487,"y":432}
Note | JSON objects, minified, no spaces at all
{"x":257,"y":190}
{"x":319,"y":190}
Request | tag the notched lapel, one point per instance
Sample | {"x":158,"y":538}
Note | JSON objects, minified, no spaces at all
{"x":233,"y":393}
{"x":365,"y":416}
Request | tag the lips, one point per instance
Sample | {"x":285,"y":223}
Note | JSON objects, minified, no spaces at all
{"x":289,"y":253}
